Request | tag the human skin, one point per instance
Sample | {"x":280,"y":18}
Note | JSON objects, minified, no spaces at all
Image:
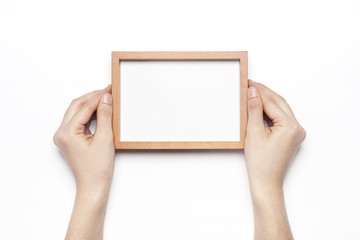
{"x":268,"y":152}
{"x":91,"y":159}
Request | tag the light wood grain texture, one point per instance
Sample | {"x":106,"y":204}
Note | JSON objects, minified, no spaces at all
{"x":242,"y":56}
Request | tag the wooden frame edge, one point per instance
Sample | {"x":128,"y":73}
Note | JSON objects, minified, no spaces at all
{"x":115,"y":91}
{"x":242,"y":56}
{"x":179,"y":145}
{"x":243,"y":98}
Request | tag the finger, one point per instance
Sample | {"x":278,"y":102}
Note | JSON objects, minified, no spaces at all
{"x":78,"y":102}
{"x":268,"y":121}
{"x":271,"y":108}
{"x":84,"y":114}
{"x":87,"y":126}
{"x":269,"y":95}
{"x":255,"y":111}
{"x":104,"y":119}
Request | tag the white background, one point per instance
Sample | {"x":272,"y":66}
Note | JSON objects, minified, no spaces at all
{"x":52,"y":52}
{"x":180,"y":101}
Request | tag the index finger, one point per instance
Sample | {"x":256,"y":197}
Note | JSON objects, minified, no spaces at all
{"x":77,"y":103}
{"x":273,"y":98}
{"x":272,"y":105}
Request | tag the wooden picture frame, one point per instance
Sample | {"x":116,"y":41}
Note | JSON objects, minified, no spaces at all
{"x":241,"y":56}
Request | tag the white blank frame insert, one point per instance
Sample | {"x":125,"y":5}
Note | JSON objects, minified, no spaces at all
{"x":179,"y":100}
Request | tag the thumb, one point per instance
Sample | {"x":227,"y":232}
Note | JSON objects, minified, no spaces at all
{"x":255,"y":111}
{"x":104,"y":118}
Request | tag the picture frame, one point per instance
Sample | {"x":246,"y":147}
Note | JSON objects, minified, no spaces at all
{"x":118,"y":56}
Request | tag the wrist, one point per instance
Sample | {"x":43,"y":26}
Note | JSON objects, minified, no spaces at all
{"x":265,"y":193}
{"x":270,"y":213}
{"x":93,"y":184}
{"x":96,"y":201}
{"x":94,"y":192}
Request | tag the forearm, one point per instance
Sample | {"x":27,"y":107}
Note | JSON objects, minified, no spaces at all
{"x":270,"y":217}
{"x":87,"y":219}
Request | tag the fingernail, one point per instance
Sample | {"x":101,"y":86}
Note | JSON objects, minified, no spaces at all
{"x":252,"y":92}
{"x":107,"y":98}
